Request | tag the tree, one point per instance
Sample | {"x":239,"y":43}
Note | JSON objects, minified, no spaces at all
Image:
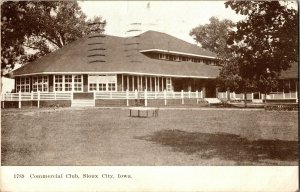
{"x":264,"y":44}
{"x":213,"y":36}
{"x":33,"y":29}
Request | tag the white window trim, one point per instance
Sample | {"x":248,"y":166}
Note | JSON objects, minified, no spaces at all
{"x":106,"y":84}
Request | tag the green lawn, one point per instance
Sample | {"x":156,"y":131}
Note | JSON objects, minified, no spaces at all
{"x":176,"y":137}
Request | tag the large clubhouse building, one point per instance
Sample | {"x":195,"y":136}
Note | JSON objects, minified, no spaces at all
{"x":152,"y":60}
{"x":149,"y":66}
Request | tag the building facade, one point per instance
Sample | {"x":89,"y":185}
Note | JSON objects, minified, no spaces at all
{"x":151,"y":61}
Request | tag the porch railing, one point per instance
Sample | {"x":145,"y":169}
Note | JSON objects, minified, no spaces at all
{"x":250,"y":96}
{"x":35,"y":96}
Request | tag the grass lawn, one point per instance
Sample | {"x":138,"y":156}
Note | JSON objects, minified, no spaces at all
{"x":98,"y":136}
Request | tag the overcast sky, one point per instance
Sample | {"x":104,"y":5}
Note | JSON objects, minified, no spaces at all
{"x":176,"y":18}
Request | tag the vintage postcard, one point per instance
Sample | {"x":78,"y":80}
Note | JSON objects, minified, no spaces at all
{"x":149,"y":96}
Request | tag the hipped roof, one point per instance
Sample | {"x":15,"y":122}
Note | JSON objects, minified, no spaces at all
{"x":72,"y":58}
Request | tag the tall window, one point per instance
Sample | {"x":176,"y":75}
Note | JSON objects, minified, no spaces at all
{"x":168,"y":84}
{"x":77,"y":82}
{"x":58,"y":82}
{"x":23,"y":84}
{"x":68,"y":83}
{"x":40,"y":83}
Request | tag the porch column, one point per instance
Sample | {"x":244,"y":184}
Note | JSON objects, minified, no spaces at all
{"x":138,"y":83}
{"x":150,"y":83}
{"x":162,"y":84}
{"x":203,"y":90}
{"x":132,"y":83}
{"x":127,"y":86}
{"x":158,"y":84}
{"x":122,"y":82}
{"x":155,"y":88}
{"x":142,"y":88}
{"x":146,"y":83}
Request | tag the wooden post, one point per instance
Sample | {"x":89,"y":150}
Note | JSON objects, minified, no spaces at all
{"x":122,"y":82}
{"x":136,"y":94}
{"x":197,"y":96}
{"x":150,"y":83}
{"x":94,"y":95}
{"x":233,"y":94}
{"x":165,"y":96}
{"x":72,"y":96}
{"x":31,"y":96}
{"x":132,"y":83}
{"x":283,"y":95}
{"x":54,"y":95}
{"x":189,"y":94}
{"x":201,"y":94}
{"x":127,"y":97}
{"x":155,"y":88}
{"x":252,"y":96}
{"x":127,"y":84}
{"x":182,"y":100}
{"x":38,"y":104}
{"x":20,"y":99}
{"x":146,"y":82}
{"x":138,"y":83}
{"x":146,"y":98}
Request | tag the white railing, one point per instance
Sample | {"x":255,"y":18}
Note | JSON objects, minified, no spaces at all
{"x":250,"y":96}
{"x":148,"y":95}
{"x":36,"y":96}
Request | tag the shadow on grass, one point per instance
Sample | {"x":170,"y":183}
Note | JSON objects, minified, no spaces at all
{"x":225,"y":146}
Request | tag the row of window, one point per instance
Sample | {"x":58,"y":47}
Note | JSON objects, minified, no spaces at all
{"x":41,"y":83}
{"x":184,"y":58}
{"x":68,"y":83}
{"x":102,"y":82}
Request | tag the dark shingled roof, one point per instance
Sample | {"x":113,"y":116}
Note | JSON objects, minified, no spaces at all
{"x":73,"y":58}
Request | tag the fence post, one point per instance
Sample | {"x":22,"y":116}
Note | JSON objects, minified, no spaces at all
{"x":127,"y":97}
{"x":20,"y":99}
{"x":3,"y":99}
{"x":38,"y":104}
{"x":197,"y":96}
{"x":72,"y":96}
{"x":31,"y":96}
{"x":145,"y":98}
{"x":54,"y":95}
{"x":94,"y":95}
{"x":252,"y":96}
{"x":10,"y":96}
{"x":165,"y":96}
{"x":233,"y":94}
{"x":189,"y":94}
{"x":182,"y":100}
{"x":136,"y":94}
{"x":283,"y":95}
{"x":201,"y":94}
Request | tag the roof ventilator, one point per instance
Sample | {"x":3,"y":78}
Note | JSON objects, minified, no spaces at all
{"x":96,"y":43}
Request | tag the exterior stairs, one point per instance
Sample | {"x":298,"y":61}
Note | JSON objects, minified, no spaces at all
{"x":83,"y":103}
{"x":212,"y":100}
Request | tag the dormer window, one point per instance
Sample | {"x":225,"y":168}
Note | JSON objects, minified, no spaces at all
{"x":162,"y":56}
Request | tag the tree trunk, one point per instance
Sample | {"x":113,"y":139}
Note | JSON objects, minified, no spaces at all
{"x":228,"y":94}
{"x":245,"y":99}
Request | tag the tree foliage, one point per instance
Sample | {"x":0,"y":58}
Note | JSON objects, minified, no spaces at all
{"x":263,"y":44}
{"x":213,"y":36}
{"x":32,"y":29}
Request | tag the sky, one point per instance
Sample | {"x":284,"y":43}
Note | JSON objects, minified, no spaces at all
{"x":176,"y":18}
